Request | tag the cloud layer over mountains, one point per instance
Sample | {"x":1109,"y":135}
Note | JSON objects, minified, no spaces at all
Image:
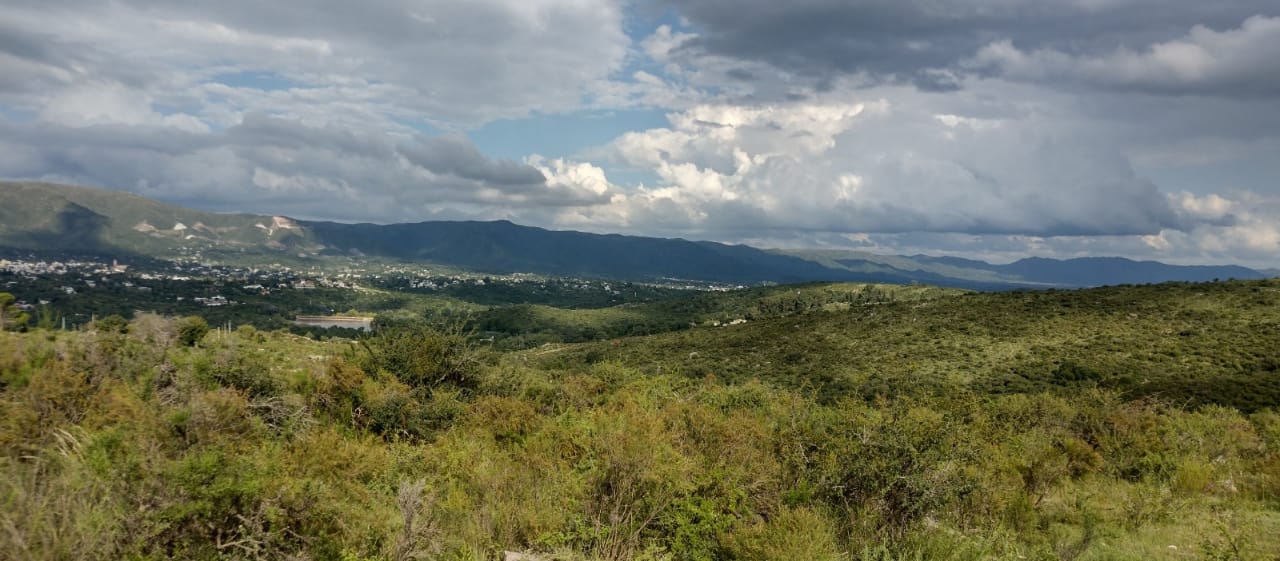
{"x":992,"y":128}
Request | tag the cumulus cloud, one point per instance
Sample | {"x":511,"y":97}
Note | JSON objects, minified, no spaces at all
{"x":1211,"y":208}
{"x":1251,"y":228}
{"x":877,"y":167}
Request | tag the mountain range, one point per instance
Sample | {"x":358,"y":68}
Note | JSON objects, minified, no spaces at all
{"x":45,"y":217}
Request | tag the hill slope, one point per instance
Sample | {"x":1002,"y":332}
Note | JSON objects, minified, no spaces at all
{"x":43,"y":216}
{"x":504,"y":247}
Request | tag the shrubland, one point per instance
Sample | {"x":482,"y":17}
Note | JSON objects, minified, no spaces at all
{"x":1183,"y":343}
{"x":835,"y":431}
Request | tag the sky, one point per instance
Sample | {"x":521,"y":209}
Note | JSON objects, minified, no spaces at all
{"x":992,"y":129}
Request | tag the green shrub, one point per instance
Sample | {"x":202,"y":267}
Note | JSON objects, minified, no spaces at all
{"x":338,"y":390}
{"x":420,"y":356}
{"x":244,"y":371}
{"x":114,"y":323}
{"x":792,"y":534}
{"x":899,"y":464}
{"x":214,"y":491}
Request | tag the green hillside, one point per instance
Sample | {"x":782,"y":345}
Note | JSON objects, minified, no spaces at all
{"x":1189,"y":343}
{"x":839,"y":422}
{"x":528,"y":325}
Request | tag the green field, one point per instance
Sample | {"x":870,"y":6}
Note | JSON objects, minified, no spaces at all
{"x":833,"y":422}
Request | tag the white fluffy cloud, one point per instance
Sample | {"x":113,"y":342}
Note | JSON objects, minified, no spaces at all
{"x":877,"y":167}
{"x":1245,"y":226}
{"x":97,"y":104}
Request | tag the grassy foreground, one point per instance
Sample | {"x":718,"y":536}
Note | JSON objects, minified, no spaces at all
{"x":156,"y":440}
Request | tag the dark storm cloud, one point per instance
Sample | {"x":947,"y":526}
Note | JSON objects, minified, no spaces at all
{"x":447,"y":62}
{"x":451,"y":154}
{"x":31,"y":46}
{"x":454,"y":154}
{"x":256,"y":129}
{"x":938,"y":81}
{"x":1234,"y":62}
{"x":908,"y":40}
{"x":37,"y":60}
{"x":268,"y":164}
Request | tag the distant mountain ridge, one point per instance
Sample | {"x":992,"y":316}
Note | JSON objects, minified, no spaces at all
{"x":51,"y":217}
{"x":1038,"y":271}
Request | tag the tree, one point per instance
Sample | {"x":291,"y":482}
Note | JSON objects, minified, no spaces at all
{"x":46,"y":318}
{"x":11,"y":318}
{"x":191,"y":330}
